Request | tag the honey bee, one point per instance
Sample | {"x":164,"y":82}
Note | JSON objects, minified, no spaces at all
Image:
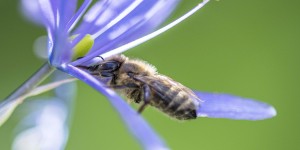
{"x":139,"y":81}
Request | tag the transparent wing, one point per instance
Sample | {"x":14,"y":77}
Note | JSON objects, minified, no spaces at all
{"x":161,"y":84}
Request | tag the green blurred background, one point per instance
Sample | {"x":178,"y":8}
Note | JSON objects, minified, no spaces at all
{"x":246,"y":48}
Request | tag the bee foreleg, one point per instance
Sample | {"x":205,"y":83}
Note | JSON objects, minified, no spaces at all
{"x":91,"y":69}
{"x":129,"y":85}
{"x":146,"y":99}
{"x":95,"y":74}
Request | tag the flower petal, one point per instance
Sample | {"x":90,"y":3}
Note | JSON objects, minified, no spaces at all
{"x":141,"y":19}
{"x":124,"y":21}
{"x":100,"y":14}
{"x":233,"y":107}
{"x":71,"y":24}
{"x":30,"y":9}
{"x":54,"y":113}
{"x":65,"y":11}
{"x":40,"y":12}
{"x":140,"y":40}
{"x":33,"y":131}
{"x":55,"y":15}
{"x":134,"y":122}
{"x":6,"y":109}
{"x":61,"y":51}
{"x":8,"y":106}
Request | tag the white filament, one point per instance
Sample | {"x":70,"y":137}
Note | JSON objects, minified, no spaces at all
{"x":153,"y":34}
{"x":118,"y":18}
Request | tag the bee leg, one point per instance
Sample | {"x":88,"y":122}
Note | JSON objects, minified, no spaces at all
{"x":83,"y":67}
{"x":89,"y":68}
{"x":113,"y":79}
{"x":146,"y":99}
{"x":95,"y":74}
{"x":130,"y":85}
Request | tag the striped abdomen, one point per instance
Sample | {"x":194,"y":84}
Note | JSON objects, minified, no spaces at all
{"x":172,"y":99}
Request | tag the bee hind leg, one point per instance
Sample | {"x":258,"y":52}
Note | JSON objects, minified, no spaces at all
{"x":146,"y":99}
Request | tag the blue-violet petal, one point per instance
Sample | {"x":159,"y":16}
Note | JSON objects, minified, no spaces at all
{"x":217,"y":105}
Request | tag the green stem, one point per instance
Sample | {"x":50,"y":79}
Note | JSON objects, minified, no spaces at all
{"x":38,"y":77}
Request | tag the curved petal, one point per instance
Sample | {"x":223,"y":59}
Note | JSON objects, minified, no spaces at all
{"x":30,"y":9}
{"x":134,"y":122}
{"x":33,"y":131}
{"x":100,"y":14}
{"x":65,"y":11}
{"x":7,"y":107}
{"x":123,"y":21}
{"x":60,"y":52}
{"x":62,"y":11}
{"x":55,"y":15}
{"x":71,"y":24}
{"x":40,"y":12}
{"x":136,"y":42}
{"x":54,"y":113}
{"x":217,"y":105}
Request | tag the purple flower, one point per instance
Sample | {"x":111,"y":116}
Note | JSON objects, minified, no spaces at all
{"x":107,"y":28}
{"x":47,"y":113}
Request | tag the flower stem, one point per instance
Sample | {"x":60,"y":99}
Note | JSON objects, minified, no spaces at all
{"x":39,"y":76}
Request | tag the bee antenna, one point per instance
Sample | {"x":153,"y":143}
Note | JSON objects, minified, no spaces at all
{"x":101,"y":57}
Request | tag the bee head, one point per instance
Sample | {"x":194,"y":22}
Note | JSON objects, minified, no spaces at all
{"x":108,"y":68}
{"x":135,"y":67}
{"x":111,"y":65}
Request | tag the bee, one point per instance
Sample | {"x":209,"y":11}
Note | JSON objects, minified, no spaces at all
{"x":139,"y":82}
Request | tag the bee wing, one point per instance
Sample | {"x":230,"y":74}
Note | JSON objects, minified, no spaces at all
{"x":161,"y":84}
{"x":182,"y":87}
{"x":191,"y":93}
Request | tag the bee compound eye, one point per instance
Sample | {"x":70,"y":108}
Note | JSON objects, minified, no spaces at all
{"x":111,"y":65}
{"x":106,"y":74}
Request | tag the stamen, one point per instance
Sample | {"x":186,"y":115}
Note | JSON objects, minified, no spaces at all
{"x":142,"y":39}
{"x":118,"y":18}
{"x":153,"y":34}
{"x":93,"y":14}
{"x":88,"y":27}
{"x":78,"y":15}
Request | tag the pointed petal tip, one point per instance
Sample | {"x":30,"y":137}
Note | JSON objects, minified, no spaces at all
{"x":266,"y":113}
{"x":273,"y":112}
{"x":270,"y":112}
{"x":263,"y":111}
{"x":217,"y":105}
{"x":158,"y":148}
